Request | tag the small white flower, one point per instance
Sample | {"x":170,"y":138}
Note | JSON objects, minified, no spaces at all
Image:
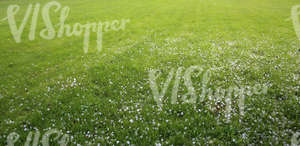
{"x":131,"y":121}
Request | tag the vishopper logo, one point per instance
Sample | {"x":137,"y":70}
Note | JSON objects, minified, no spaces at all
{"x":295,"y":13}
{"x":295,"y":141}
{"x":50,"y":33}
{"x":192,"y":97}
{"x":33,"y":138}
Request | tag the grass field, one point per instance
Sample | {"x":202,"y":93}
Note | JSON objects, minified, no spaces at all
{"x":105,"y":97}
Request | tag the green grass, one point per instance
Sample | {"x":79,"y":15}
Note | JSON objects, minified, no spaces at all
{"x":245,"y":42}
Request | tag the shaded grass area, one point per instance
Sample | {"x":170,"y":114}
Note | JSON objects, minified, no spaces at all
{"x":106,"y":98}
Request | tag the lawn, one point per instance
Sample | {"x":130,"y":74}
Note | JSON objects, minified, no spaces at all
{"x":106,"y":97}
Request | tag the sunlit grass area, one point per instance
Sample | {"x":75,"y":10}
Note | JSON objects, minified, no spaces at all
{"x":104,"y":97}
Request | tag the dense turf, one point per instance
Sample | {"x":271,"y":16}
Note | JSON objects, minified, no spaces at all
{"x":106,"y":97}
